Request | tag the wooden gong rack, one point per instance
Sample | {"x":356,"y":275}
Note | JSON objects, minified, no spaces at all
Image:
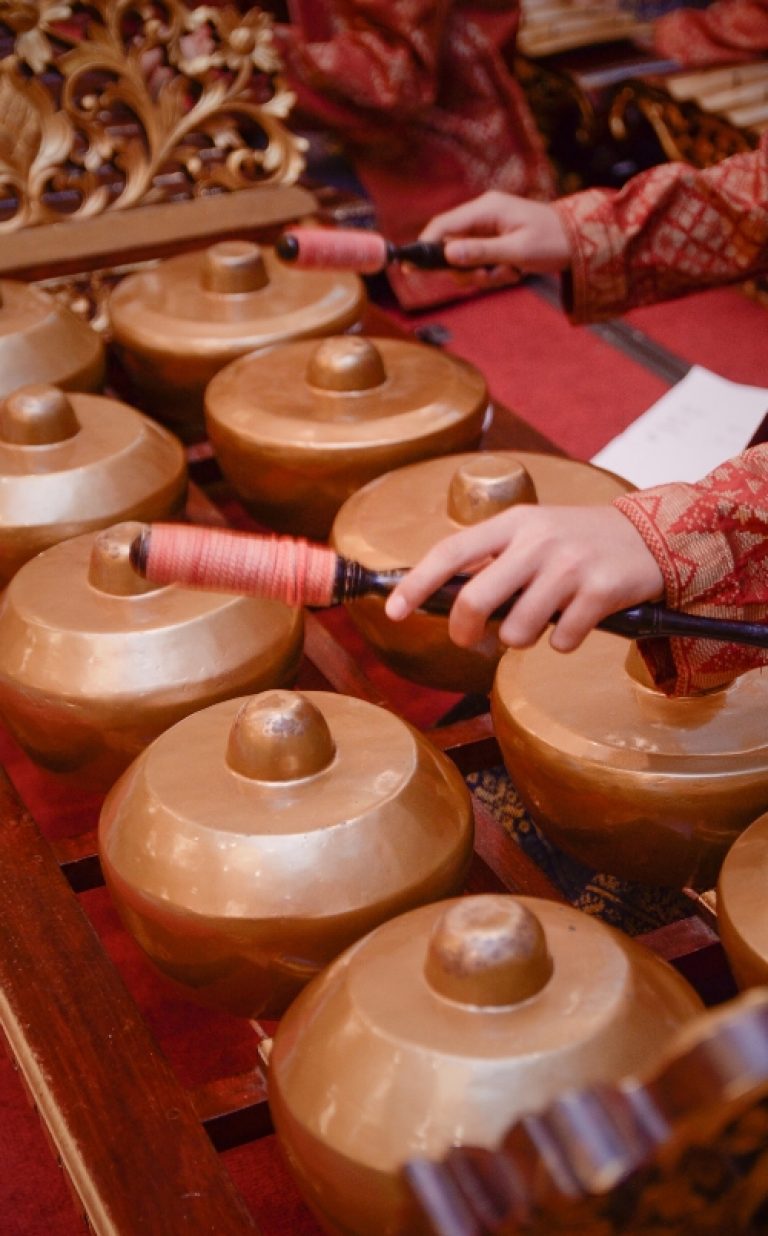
{"x":138,"y":1147}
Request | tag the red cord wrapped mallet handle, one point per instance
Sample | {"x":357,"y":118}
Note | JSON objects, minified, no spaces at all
{"x":327,"y":248}
{"x":282,"y":568}
{"x":298,"y":572}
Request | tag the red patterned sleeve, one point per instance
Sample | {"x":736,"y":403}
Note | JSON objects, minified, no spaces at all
{"x":669,"y":231}
{"x":382,"y":55}
{"x":724,"y":32}
{"x":711,"y":542}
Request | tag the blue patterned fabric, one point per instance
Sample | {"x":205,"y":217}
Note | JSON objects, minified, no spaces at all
{"x":635,"y":908}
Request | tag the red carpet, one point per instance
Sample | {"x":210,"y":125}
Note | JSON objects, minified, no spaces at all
{"x":577,"y":389}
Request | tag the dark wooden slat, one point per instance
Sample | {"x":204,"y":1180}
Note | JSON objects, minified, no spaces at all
{"x":516,"y":871}
{"x":482,"y":879}
{"x":78,"y":858}
{"x":471,"y":744}
{"x":76,"y":245}
{"x":336,"y":665}
{"x":675,"y":940}
{"x":125,"y":1130}
{"x":695,"y":950}
{"x":234,"y":1110}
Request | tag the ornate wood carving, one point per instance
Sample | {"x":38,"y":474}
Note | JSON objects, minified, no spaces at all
{"x":112,"y":103}
{"x":682,"y":1153}
{"x":684,"y":130}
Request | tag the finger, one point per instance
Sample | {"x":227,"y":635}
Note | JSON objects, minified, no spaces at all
{"x":581,"y":615}
{"x":486,"y":251}
{"x":488,"y":215}
{"x":449,"y":557}
{"x":471,"y":216}
{"x":532,"y":612}
{"x":486,"y":592}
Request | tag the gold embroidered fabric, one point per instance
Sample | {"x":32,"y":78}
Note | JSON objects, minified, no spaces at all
{"x":671,"y":230}
{"x":711,"y":542}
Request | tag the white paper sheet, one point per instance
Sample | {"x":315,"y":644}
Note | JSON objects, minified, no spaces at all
{"x":702,"y":421}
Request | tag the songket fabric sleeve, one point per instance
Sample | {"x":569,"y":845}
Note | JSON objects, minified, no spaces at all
{"x":711,"y":542}
{"x":422,"y":95}
{"x":724,"y":32}
{"x":668,"y":231}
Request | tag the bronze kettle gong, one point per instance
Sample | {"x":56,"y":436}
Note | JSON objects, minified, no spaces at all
{"x":176,"y":324}
{"x":95,"y":662}
{"x":258,"y":838}
{"x":394,"y":520}
{"x":300,"y":427}
{"x":444,"y":1025}
{"x":626,"y":779}
{"x":742,"y":905}
{"x":42,"y":340}
{"x":70,"y":463}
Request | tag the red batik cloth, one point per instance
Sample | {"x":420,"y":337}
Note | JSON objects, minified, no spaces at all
{"x":711,"y":542}
{"x":671,"y":230}
{"x":726,"y":32}
{"x":420,"y":92}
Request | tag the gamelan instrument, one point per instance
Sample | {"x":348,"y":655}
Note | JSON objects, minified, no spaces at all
{"x":392,"y":522}
{"x":258,"y":838}
{"x":325,"y":248}
{"x":177,"y":324}
{"x":42,"y":340}
{"x":684,"y":1144}
{"x":742,"y":906}
{"x":443,"y":1026}
{"x":300,"y":427}
{"x":625,"y":779}
{"x":71,"y":463}
{"x":95,"y":661}
{"x":297,"y":572}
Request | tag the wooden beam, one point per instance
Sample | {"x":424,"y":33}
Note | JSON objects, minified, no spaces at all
{"x":126,"y":1132}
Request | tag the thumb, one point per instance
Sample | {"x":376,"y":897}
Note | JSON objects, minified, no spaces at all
{"x":483,"y":251}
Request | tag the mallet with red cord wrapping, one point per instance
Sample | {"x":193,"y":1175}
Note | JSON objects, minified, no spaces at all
{"x":297,"y":572}
{"x":326,"y":248}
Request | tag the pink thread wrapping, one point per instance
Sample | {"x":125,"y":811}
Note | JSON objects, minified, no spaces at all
{"x":339,"y":249}
{"x":281,"y":568}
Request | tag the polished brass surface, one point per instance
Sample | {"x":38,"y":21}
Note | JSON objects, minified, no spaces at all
{"x":443,"y":1026}
{"x":71,"y":463}
{"x":178,"y":323}
{"x":43,"y":341}
{"x":627,"y":780}
{"x":394,"y":520}
{"x":258,"y":838}
{"x":95,"y":663}
{"x":742,"y":905}
{"x":681,"y":1150}
{"x":299,"y":428}
{"x":105,"y":104}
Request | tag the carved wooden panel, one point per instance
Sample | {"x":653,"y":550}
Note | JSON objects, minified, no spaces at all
{"x":683,"y":1152}
{"x":685,"y":128}
{"x":117,"y":102}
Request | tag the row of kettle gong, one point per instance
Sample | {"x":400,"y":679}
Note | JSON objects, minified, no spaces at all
{"x":253,"y":849}
{"x":629,"y":781}
{"x":609,"y":767}
{"x":298,"y":855}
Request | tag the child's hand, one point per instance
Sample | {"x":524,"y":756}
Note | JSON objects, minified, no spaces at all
{"x":501,"y":229}
{"x":582,"y":561}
